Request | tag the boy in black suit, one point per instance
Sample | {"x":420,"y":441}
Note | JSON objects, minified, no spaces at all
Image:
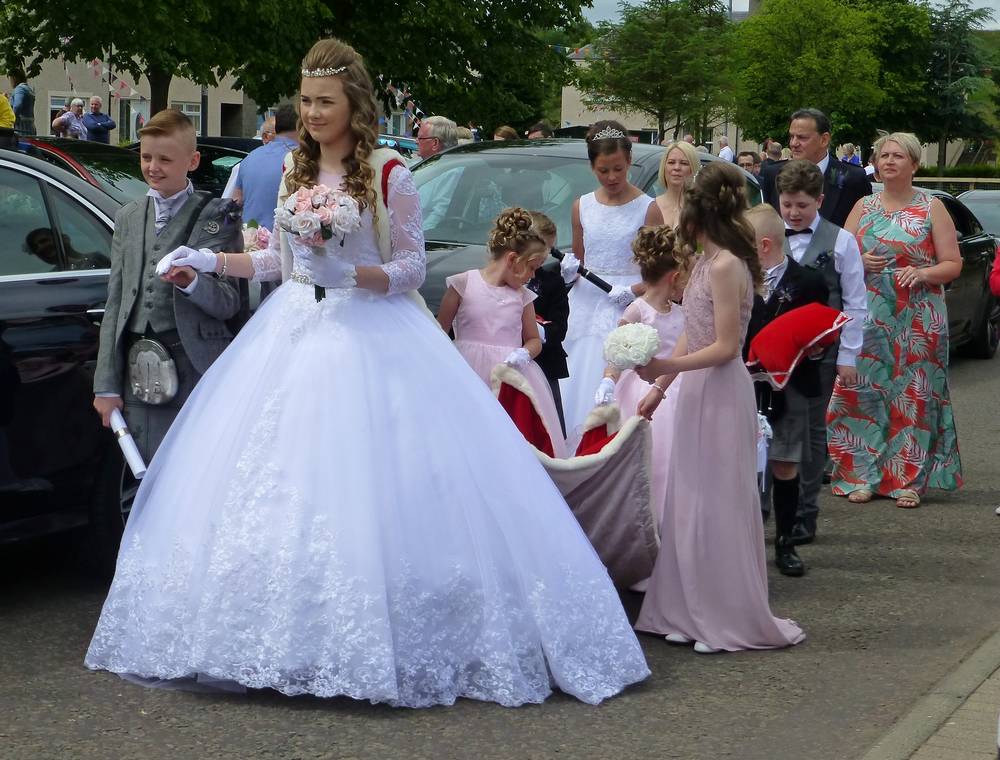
{"x":787,"y":286}
{"x":552,"y":310}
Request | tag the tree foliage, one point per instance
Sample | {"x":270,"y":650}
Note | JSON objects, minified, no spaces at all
{"x":806,"y":53}
{"x":662,"y":59}
{"x":961,"y":94}
{"x":481,"y":60}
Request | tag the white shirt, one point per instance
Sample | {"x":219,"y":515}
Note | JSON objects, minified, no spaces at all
{"x":824,"y":164}
{"x":847,"y":262}
{"x":726,"y":153}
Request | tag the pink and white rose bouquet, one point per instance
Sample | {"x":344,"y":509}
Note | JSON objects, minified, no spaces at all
{"x":255,"y":237}
{"x":316,"y":214}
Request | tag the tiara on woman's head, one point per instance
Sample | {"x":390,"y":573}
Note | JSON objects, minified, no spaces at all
{"x":609,"y":133}
{"x":323,"y":72}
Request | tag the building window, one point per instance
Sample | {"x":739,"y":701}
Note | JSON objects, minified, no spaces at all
{"x":192,"y":111}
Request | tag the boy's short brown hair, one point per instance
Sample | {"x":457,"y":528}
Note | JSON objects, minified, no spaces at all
{"x":800,"y":176}
{"x":170,"y":121}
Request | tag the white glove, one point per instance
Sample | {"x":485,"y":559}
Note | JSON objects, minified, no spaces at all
{"x":605,"y":392}
{"x":519,"y":358}
{"x":329,"y":271}
{"x":203,"y":260}
{"x":569,"y":267}
{"x":541,"y":333}
{"x":621,"y":295}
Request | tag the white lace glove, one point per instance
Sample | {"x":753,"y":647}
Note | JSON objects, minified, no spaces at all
{"x":569,"y":267}
{"x":329,"y":271}
{"x":605,"y":392}
{"x":203,"y":260}
{"x":621,"y":295}
{"x":519,"y":358}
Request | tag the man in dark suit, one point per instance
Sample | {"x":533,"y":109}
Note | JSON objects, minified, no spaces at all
{"x":787,"y":286}
{"x":843,"y":184}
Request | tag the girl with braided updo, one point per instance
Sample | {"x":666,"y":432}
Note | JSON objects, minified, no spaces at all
{"x":305,"y":528}
{"x":493,"y":317}
{"x":709,"y":584}
{"x":657,"y":252}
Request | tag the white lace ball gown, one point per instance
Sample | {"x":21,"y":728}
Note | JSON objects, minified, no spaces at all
{"x":342,"y":508}
{"x":608,"y":232}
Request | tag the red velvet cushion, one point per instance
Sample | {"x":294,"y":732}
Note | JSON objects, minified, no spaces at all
{"x":779,"y":347}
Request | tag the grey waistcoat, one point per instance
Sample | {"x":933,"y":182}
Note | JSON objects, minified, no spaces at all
{"x":823,"y":242}
{"x":154,"y":305}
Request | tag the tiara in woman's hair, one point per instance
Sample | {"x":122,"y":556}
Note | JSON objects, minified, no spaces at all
{"x":609,"y":133}
{"x":323,"y":72}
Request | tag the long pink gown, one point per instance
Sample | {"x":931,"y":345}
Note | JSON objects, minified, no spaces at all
{"x":488,"y":327}
{"x":631,"y":389}
{"x":710,"y":579}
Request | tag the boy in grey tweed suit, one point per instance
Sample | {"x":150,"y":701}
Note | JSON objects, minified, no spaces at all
{"x":184,"y":311}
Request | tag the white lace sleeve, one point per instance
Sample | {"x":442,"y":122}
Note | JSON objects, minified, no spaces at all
{"x":267,"y":262}
{"x":407,"y":268}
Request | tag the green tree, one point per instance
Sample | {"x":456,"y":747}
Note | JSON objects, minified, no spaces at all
{"x":562,"y":40}
{"x":903,"y":48}
{"x":784,"y":58}
{"x":201,"y":40}
{"x":482,"y":60}
{"x":961,"y":92}
{"x":661,"y":60}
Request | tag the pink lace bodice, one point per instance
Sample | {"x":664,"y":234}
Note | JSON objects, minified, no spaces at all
{"x":699,"y":311}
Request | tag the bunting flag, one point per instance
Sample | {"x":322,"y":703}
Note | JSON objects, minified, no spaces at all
{"x":587,"y":51}
{"x":117,"y":85}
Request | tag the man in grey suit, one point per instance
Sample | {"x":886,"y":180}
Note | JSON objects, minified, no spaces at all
{"x":160,"y":334}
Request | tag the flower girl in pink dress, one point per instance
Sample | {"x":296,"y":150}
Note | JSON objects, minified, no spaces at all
{"x":492,"y":315}
{"x":661,"y":264}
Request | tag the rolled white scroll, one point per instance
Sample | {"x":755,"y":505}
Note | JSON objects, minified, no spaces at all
{"x":127,"y":444}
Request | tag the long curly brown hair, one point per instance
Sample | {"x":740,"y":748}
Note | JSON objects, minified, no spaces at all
{"x":359,"y":179}
{"x":715,"y":206}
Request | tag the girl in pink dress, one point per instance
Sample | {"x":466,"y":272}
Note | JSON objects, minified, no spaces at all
{"x":709,"y":584}
{"x":492,"y":315}
{"x":658,"y":254}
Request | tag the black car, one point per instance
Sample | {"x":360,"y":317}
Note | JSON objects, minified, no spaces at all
{"x":59,"y":468}
{"x":464,"y":188}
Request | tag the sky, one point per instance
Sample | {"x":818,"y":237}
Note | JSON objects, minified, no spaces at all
{"x":607,"y":10}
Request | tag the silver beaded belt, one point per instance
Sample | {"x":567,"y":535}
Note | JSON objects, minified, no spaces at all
{"x":299,"y":277}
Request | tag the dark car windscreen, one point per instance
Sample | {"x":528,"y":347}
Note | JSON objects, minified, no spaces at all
{"x":462,"y":194}
{"x":986,"y":210}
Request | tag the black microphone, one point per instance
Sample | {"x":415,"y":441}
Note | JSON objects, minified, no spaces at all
{"x":585,"y":273}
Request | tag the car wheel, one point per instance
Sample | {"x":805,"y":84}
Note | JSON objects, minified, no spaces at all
{"x":986,"y":333}
{"x":110,"y":510}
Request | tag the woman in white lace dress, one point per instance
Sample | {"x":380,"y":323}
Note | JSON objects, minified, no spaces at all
{"x":604,"y":224}
{"x":341,"y":507}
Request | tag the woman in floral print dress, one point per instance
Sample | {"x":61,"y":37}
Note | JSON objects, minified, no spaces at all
{"x":893,"y":433}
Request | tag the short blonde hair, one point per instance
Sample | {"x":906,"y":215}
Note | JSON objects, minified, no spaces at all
{"x":170,"y":121}
{"x":690,"y":153}
{"x":766,"y":222}
{"x":905,"y":140}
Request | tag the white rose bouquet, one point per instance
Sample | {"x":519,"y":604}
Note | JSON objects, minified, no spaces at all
{"x":318,"y":213}
{"x":630,"y":346}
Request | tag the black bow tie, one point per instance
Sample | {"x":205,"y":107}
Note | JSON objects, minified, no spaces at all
{"x":806,"y":231}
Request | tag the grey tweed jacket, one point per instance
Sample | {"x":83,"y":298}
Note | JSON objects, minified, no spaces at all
{"x":201,"y":316}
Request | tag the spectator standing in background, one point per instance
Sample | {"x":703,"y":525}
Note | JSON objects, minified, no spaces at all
{"x":22,"y":101}
{"x":99,"y":125}
{"x":725,"y":152}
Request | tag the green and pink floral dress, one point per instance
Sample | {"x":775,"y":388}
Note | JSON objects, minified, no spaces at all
{"x":895,"y":431}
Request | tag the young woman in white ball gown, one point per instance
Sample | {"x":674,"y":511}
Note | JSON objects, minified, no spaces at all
{"x":342,"y":508}
{"x":604,"y":224}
